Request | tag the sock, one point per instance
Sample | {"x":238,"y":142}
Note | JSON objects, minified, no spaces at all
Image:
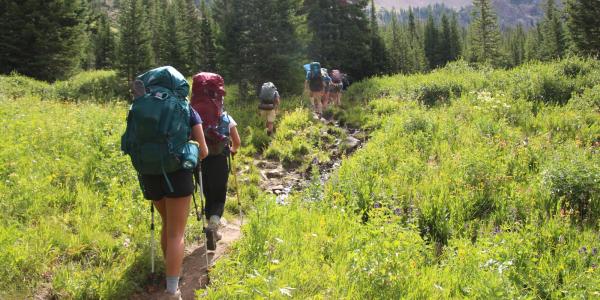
{"x":214,"y":221}
{"x":172,"y":284}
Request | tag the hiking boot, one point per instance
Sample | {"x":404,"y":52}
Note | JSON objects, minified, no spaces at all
{"x":212,"y":237}
{"x":176,"y":296}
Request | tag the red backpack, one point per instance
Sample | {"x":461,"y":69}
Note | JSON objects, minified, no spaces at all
{"x":208,"y":92}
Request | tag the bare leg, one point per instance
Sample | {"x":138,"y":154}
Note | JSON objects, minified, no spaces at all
{"x":162,"y":210}
{"x":315,"y":98}
{"x":177,"y":211}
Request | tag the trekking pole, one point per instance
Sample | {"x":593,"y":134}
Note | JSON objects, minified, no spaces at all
{"x":237,"y":188}
{"x":200,"y":215}
{"x":152,"y":237}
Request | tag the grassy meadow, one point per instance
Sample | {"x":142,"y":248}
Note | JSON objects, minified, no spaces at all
{"x":474,"y":183}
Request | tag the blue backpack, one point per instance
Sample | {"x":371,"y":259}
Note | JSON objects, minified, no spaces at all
{"x":315,"y":70}
{"x":157,"y":137}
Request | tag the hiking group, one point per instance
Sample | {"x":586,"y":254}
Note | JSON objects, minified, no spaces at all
{"x":177,"y":145}
{"x":323,"y":87}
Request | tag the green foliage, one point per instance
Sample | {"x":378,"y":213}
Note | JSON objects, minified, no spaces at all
{"x":134,"y":51}
{"x":341,"y":37}
{"x":96,"y":86}
{"x":480,"y":198}
{"x":299,"y":140}
{"x":15,"y":86}
{"x":485,"y":36}
{"x":104,"y":44}
{"x":41,"y":39}
{"x":583,"y":24}
{"x":72,"y":211}
{"x":434,"y":93}
{"x":259,"y":42}
{"x":574,"y":184}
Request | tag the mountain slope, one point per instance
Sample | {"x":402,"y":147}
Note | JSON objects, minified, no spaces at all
{"x":510,"y":12}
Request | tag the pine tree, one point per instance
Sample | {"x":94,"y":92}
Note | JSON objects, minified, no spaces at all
{"x":208,"y":59}
{"x":412,"y":26}
{"x":340,"y":35}
{"x":155,"y":13}
{"x":398,"y":48}
{"x":485,"y":36}
{"x":515,"y":46}
{"x":431,"y":42}
{"x":41,"y":39}
{"x":455,"y":43}
{"x":174,"y":38}
{"x":104,"y":44}
{"x":135,"y":49}
{"x":533,"y":43}
{"x":445,"y":42}
{"x":553,"y":43}
{"x":379,"y":57}
{"x":584,"y":24}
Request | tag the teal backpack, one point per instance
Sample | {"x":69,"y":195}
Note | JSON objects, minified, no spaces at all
{"x":158,"y":124}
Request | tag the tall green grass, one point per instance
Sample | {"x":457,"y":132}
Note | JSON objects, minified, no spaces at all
{"x":490,"y":191}
{"x":75,"y":224}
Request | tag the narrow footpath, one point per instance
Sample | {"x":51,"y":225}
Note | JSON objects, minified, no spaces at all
{"x":275,"y":179}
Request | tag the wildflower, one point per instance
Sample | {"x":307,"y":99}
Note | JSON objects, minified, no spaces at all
{"x":583,"y":250}
{"x":397,"y":211}
{"x":496,"y":229}
{"x":594,"y":251}
{"x":377,"y":205}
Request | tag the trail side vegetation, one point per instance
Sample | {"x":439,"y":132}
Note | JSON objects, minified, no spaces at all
{"x":75,"y":224}
{"x":480,"y":177}
{"x":472,"y":185}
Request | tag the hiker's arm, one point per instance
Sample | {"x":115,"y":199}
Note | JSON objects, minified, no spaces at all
{"x":306,"y":85}
{"x":198,"y":136}
{"x":277,"y":101}
{"x":236,"y":142}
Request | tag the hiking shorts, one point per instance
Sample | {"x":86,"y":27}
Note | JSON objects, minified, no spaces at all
{"x":335,"y":88}
{"x":269,"y":115}
{"x":156,"y":187}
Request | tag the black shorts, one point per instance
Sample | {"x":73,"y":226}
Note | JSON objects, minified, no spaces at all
{"x":155,"y":186}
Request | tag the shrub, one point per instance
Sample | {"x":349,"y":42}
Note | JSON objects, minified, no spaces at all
{"x":433,"y":220}
{"x":552,"y":89}
{"x":434,"y":93}
{"x":98,"y":86}
{"x":574,"y":184}
{"x":258,"y":139}
{"x":15,"y":86}
{"x":588,"y":100}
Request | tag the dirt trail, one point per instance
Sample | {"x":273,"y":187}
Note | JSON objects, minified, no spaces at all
{"x":280,"y":181}
{"x":194,"y":265}
{"x":274,"y":179}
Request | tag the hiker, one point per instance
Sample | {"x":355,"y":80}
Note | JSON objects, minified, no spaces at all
{"x":269,"y":104}
{"x":166,"y":179}
{"x":223,"y":141}
{"x":326,"y":85}
{"x":314,"y":85}
{"x":335,"y":87}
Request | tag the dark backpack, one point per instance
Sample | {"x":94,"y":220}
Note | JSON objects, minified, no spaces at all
{"x":267,"y":96}
{"x":208,"y":92}
{"x":158,"y":124}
